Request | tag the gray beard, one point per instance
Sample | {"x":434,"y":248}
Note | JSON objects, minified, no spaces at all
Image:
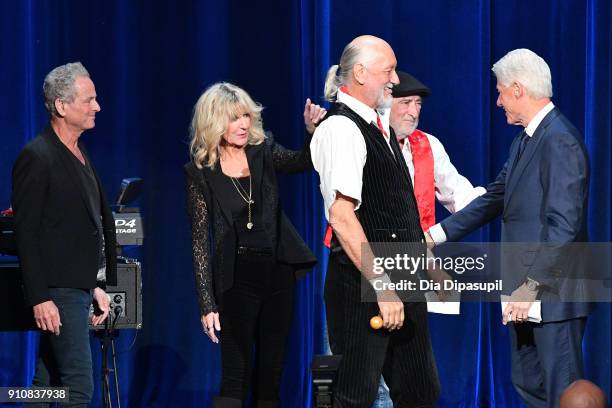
{"x":413,"y":128}
{"x":407,"y":132}
{"x":384,"y":103}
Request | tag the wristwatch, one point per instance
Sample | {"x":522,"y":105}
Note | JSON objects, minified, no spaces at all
{"x":532,"y":285}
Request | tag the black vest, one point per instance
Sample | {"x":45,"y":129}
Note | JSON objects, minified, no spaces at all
{"x":388,"y":211}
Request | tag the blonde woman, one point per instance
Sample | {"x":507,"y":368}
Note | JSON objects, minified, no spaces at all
{"x":247,"y":255}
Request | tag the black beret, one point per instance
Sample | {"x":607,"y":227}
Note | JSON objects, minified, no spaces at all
{"x":409,"y":86}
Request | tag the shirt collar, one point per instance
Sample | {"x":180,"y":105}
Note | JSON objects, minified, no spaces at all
{"x":368,"y":114}
{"x":538,"y":118}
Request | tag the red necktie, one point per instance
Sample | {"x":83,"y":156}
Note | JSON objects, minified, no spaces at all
{"x":328,"y":236}
{"x":424,"y":180}
{"x":380,"y":126}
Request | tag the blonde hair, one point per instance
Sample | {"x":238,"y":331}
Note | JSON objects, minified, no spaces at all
{"x":219,"y":105}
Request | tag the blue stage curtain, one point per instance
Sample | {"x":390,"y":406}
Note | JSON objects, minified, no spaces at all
{"x":151,"y":60}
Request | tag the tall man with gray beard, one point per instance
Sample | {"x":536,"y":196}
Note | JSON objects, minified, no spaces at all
{"x":368,"y":197}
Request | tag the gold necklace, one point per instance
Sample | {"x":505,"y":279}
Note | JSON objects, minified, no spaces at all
{"x":246,"y":197}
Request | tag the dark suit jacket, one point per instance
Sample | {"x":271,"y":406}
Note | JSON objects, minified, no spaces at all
{"x":209,"y":214}
{"x":58,"y":236}
{"x":543,"y":202}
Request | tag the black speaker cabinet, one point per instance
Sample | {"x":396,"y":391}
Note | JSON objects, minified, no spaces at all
{"x":126,"y":297}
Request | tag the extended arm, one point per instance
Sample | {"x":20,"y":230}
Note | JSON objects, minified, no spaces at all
{"x":479,"y":212}
{"x":293,"y":161}
{"x":453,"y":190}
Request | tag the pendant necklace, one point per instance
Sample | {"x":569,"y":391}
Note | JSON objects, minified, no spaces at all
{"x":246,"y":197}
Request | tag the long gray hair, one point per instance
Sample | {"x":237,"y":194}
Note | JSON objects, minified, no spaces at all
{"x":338,"y":75}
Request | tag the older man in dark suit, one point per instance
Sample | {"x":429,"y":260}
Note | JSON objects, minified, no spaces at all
{"x":65,"y":234}
{"x":541,"y":194}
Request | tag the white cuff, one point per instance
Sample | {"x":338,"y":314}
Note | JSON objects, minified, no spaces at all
{"x":437,"y":234}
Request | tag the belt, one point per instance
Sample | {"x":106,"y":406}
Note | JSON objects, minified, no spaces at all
{"x":250,"y":251}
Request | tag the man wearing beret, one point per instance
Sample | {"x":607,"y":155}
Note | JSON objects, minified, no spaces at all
{"x":433,"y":175}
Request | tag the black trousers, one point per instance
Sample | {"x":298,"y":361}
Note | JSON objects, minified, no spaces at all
{"x":65,"y":360}
{"x":546,"y":358}
{"x":404,"y":357}
{"x":255,"y":314}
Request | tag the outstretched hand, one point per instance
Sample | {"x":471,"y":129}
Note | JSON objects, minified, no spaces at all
{"x":313,"y":114}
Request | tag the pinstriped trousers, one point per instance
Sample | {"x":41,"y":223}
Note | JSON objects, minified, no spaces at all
{"x":404,"y":357}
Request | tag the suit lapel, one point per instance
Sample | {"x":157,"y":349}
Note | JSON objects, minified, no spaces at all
{"x":214,"y":177}
{"x":98,"y":185}
{"x":253,"y":154}
{"x":69,"y":166}
{"x":515,"y":175}
{"x":511,"y":174}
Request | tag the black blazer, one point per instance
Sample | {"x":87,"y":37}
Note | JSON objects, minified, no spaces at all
{"x":210,"y":218}
{"x":58,"y":237}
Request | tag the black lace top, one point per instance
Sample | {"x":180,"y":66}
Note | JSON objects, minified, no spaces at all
{"x":204,"y":227}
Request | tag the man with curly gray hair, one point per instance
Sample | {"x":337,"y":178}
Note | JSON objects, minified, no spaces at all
{"x":65,"y":234}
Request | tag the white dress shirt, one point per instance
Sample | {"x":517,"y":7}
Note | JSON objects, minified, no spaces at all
{"x":538,"y":118}
{"x":453,"y":190}
{"x":436,"y":231}
{"x":338,"y":151}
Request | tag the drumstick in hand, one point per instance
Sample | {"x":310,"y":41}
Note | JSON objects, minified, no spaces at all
{"x":376,"y":322}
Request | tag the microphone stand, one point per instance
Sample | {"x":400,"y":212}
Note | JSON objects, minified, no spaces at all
{"x":107,"y":338}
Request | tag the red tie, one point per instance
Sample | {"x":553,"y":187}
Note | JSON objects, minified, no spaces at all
{"x":380,"y":126}
{"x":328,"y":236}
{"x":424,"y":180}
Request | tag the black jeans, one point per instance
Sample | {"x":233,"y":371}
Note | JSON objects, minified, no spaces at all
{"x":65,"y":360}
{"x":256,"y":311}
